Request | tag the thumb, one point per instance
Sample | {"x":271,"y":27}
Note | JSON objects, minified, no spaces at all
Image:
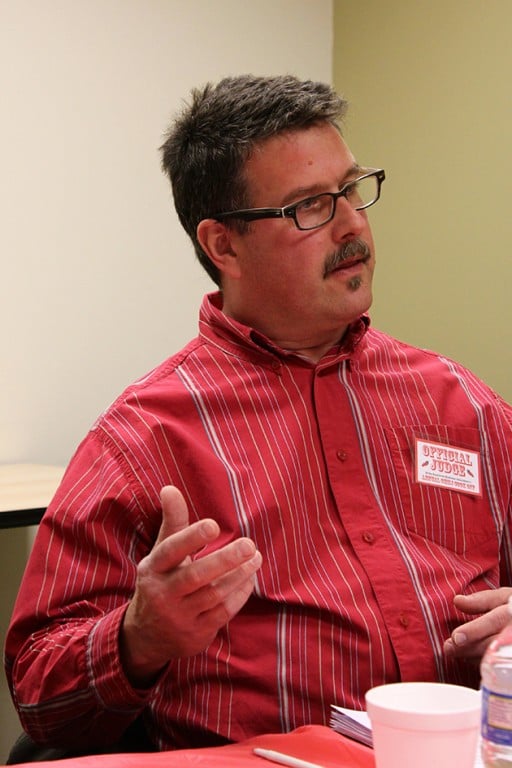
{"x":174,"y":512}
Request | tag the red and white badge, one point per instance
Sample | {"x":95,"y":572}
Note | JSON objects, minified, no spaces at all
{"x":448,"y":466}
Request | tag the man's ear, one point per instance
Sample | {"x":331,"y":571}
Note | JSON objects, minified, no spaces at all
{"x":216,"y":241}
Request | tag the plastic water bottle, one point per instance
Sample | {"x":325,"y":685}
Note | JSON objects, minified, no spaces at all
{"x":496,"y":673}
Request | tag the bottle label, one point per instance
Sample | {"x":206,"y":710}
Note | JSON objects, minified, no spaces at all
{"x":496,"y":717}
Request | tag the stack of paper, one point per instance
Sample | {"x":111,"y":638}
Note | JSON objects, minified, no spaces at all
{"x":352,"y":723}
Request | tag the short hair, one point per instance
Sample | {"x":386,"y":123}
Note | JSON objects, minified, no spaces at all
{"x":208,"y":144}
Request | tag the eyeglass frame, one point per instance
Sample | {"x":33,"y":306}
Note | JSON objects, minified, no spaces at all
{"x":290,"y":211}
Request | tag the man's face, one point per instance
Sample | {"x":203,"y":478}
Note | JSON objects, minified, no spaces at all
{"x":285,"y":286}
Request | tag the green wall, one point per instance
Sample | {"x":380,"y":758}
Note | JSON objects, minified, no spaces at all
{"x":431,"y":101}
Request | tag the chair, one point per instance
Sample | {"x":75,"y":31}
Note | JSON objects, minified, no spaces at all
{"x":25,"y":750}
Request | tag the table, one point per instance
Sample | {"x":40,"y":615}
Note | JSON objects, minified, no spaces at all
{"x":25,"y":492}
{"x":314,"y":743}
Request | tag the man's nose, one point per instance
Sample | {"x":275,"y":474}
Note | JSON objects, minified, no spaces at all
{"x":347,"y":222}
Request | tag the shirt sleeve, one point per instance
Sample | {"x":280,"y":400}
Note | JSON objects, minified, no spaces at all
{"x":62,"y":651}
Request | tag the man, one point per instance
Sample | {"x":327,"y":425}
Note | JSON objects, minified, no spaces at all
{"x":292,"y":509}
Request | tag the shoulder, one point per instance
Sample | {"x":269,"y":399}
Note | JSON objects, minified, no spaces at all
{"x":393,"y":356}
{"x":163,"y":381}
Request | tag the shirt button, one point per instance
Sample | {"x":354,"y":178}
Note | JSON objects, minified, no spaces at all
{"x":276,"y":366}
{"x":368,"y":537}
{"x":342,"y":455}
{"x":404,"y":620}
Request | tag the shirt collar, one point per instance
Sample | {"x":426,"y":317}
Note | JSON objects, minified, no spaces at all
{"x":241,"y":339}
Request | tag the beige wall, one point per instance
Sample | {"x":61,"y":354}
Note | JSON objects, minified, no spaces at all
{"x":429,"y":84}
{"x":98,"y":282}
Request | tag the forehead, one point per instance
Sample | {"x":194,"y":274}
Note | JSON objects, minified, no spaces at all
{"x":297,"y":162}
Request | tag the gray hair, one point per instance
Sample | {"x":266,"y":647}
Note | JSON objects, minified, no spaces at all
{"x":208,"y":144}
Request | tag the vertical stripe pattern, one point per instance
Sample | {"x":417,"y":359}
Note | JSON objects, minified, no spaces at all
{"x":316,"y":464}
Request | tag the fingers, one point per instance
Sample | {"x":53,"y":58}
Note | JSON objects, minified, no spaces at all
{"x":178,"y":548}
{"x":483,"y":601}
{"x":209,"y":569}
{"x":185,"y":576}
{"x":470,"y":640}
{"x":224,"y":595}
{"x":177,"y":540}
{"x":178,"y":613}
{"x":174,"y":512}
{"x":469,"y":652}
{"x":180,"y":602}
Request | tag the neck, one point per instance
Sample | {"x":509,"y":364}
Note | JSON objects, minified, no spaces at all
{"x":311,"y":347}
{"x":315,"y":351}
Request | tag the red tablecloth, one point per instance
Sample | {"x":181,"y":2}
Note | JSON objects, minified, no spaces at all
{"x":315,"y":743}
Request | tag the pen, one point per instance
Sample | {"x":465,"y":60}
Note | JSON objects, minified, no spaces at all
{"x":282,"y":759}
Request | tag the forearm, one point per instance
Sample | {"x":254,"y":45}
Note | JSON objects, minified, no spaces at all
{"x":62,"y":649}
{"x":69,"y":687}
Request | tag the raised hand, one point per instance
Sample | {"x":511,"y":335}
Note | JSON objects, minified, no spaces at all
{"x":180,"y":603}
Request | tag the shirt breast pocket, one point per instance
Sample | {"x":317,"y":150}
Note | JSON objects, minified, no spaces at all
{"x":454,"y":519}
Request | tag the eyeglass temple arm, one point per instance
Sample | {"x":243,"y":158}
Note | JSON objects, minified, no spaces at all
{"x":253,"y":214}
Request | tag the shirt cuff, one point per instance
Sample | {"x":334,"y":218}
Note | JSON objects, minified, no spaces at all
{"x":104,"y":666}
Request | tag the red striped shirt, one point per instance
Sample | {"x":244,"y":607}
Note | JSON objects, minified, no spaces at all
{"x":316,"y":464}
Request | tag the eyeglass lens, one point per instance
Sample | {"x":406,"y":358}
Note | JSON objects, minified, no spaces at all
{"x":316,"y":210}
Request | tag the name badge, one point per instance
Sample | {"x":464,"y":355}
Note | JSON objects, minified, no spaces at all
{"x":448,"y":466}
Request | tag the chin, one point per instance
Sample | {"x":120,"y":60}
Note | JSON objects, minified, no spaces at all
{"x":360,"y":297}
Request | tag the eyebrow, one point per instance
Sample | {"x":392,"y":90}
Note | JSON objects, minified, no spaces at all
{"x":300,"y":193}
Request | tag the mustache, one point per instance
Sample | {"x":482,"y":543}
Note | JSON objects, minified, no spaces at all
{"x":346,"y":251}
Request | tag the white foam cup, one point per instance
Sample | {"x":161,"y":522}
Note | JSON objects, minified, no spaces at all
{"x":424,"y":725}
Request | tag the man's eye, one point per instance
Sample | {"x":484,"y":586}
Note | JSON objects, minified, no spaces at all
{"x":310,"y":204}
{"x":354,"y":190}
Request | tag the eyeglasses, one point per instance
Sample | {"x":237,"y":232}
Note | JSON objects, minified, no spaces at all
{"x":317,"y":210}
